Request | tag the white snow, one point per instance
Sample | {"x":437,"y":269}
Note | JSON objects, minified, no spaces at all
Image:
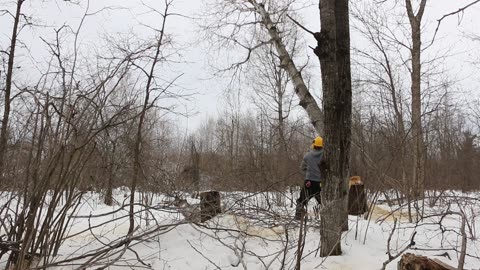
{"x":252,"y":234}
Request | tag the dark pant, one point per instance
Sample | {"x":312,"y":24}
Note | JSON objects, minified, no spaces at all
{"x":306,"y":194}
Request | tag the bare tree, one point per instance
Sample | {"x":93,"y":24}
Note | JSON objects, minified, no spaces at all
{"x":333,"y":50}
{"x":274,"y":98}
{"x":270,"y":16}
{"x":416,"y":49}
{"x":381,"y":74}
{"x":152,"y":84}
{"x":7,"y":98}
{"x":384,"y":69}
{"x":64,"y":117}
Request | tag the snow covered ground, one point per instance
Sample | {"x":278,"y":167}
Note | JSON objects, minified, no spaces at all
{"x":256,"y":231}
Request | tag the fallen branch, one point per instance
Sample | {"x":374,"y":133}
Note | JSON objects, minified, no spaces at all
{"x":393,"y":257}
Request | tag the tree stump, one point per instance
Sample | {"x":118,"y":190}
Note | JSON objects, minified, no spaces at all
{"x":210,"y":205}
{"x":357,"y":199}
{"x":413,"y":262}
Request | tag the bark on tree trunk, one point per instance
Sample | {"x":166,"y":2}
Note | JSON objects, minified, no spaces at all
{"x":136,"y":161}
{"x":418,"y":153}
{"x":307,"y":101}
{"x":345,"y":83}
{"x":109,"y":191}
{"x":111,"y":173}
{"x":210,"y":205}
{"x":8,"y":91}
{"x":357,"y":199}
{"x":410,"y":261}
{"x":195,"y":159}
{"x":333,"y":52}
{"x":139,"y":135}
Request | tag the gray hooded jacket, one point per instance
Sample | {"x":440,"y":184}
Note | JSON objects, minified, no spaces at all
{"x":311,"y":165}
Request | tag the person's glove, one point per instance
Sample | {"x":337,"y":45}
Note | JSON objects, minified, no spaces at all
{"x":308,"y":184}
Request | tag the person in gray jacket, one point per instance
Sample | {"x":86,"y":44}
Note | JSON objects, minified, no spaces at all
{"x":312,"y":181}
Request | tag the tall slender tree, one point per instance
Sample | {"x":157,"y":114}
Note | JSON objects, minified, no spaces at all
{"x":415,"y":20}
{"x":147,"y":103}
{"x":7,"y":99}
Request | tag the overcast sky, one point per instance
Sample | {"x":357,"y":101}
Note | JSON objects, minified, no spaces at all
{"x":197,"y":72}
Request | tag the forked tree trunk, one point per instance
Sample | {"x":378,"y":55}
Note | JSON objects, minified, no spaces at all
{"x":333,"y":51}
{"x":418,"y":145}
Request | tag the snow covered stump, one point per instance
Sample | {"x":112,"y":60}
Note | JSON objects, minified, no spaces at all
{"x":210,"y":205}
{"x":357,"y":199}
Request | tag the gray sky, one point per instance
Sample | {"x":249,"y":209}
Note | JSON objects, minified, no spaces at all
{"x":197,"y":73}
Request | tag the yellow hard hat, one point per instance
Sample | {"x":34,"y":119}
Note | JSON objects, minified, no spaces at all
{"x":318,"y":142}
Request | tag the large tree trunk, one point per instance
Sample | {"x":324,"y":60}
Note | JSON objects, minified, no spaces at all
{"x":418,"y":144}
{"x":333,"y":52}
{"x":345,"y":103}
